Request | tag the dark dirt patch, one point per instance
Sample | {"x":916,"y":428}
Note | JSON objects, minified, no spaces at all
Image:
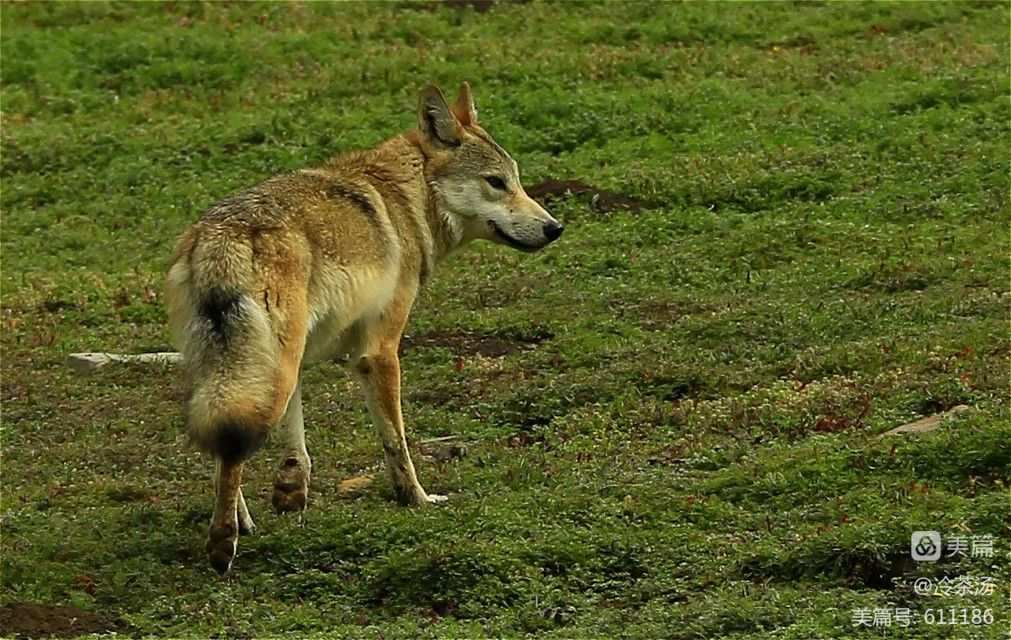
{"x":438,"y":396}
{"x":527,"y":410}
{"x":882,"y":573}
{"x":601,"y":200}
{"x":128,"y":494}
{"x":10,"y":391}
{"x":466,"y":343}
{"x":480,"y":6}
{"x":505,"y":291}
{"x":885,"y":571}
{"x":673,"y":387}
{"x":659,"y":315}
{"x":55,"y":306}
{"x":25,"y":619}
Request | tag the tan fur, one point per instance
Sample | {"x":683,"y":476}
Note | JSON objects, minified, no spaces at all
{"x":327,"y":262}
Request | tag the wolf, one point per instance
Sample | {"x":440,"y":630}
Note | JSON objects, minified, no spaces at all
{"x":323,"y":264}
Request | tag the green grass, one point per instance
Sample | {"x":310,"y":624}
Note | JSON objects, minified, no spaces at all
{"x":693,"y":450}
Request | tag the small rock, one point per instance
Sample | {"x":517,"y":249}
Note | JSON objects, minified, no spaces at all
{"x":927,"y":424}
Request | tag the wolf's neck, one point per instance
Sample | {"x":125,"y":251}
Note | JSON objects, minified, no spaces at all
{"x":447,"y":233}
{"x":436,"y":233}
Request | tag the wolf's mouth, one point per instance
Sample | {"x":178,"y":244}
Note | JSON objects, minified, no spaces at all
{"x":511,"y":241}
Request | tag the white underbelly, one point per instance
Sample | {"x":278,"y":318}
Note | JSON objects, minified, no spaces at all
{"x":344,"y":297}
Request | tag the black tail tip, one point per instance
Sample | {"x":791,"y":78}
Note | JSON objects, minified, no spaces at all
{"x":235,"y":442}
{"x":231,"y":442}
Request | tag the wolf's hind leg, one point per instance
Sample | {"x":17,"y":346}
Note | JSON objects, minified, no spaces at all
{"x":246,"y":524}
{"x":291,"y":485}
{"x":223,"y":536}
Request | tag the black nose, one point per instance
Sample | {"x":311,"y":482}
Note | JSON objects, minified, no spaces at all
{"x":552,"y":230}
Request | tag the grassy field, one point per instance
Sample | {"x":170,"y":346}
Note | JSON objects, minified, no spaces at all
{"x":671,"y":417}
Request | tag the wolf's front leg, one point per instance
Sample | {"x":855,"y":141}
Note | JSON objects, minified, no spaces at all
{"x":379,"y":375}
{"x":291,"y":485}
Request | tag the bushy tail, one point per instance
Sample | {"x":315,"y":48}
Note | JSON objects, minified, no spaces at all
{"x":232,"y":365}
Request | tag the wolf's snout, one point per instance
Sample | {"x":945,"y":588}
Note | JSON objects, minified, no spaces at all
{"x":552,"y":230}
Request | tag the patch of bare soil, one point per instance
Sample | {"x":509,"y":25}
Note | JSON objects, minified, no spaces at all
{"x":480,"y":6}
{"x":28,"y":620}
{"x":601,"y":200}
{"x":466,"y":343}
{"x":660,"y":315}
{"x":54,"y":305}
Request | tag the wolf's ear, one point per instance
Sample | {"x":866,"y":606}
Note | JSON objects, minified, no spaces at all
{"x":435,"y":119}
{"x":464,"y":109}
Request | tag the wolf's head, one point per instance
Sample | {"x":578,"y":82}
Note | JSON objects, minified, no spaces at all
{"x":475,"y":180}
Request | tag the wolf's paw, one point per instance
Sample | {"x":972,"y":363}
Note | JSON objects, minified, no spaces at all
{"x":222,"y":542}
{"x":291,"y":487}
{"x":417,"y":497}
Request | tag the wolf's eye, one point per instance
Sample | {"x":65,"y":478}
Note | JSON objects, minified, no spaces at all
{"x":496,"y":182}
